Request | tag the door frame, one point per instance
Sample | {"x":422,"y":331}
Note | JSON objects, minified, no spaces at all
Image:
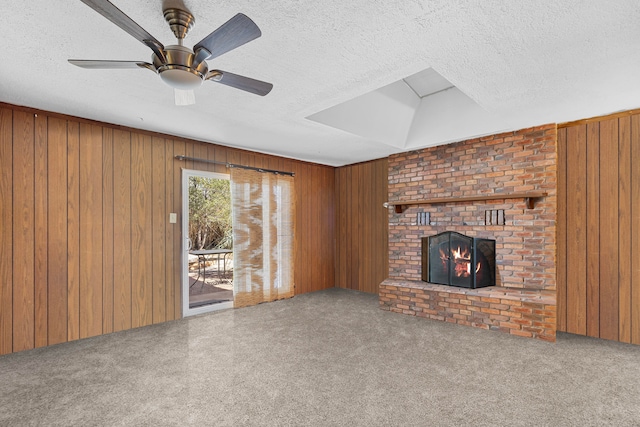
{"x":186,"y":311}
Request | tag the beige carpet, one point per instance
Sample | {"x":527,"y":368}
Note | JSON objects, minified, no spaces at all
{"x":330,"y":358}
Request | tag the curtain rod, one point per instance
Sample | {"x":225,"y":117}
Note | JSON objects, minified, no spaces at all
{"x":233,"y":165}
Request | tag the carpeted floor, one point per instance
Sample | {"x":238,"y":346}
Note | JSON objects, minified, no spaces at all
{"x":329,"y":358}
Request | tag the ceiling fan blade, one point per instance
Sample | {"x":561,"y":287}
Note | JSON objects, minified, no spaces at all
{"x":109,"y":65}
{"x":240,"y":82}
{"x":234,"y":33}
{"x":115,"y":15}
{"x":184,"y":97}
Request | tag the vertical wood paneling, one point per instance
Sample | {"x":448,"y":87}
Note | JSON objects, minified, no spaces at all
{"x":179,"y":148}
{"x":319,"y":213}
{"x":613,"y":221}
{"x":123,"y":256}
{"x":258,"y":161}
{"x":221,"y":156}
{"x":624,"y":229}
{"x":141,"y":233}
{"x":57,"y":236}
{"x":561,"y":232}
{"x":211,"y":155}
{"x":326,"y":212}
{"x":107,"y":231}
{"x":356,"y":244}
{"x":609,"y":229}
{"x":344,"y":235}
{"x":90,"y":230}
{"x":635,"y":229}
{"x":189,"y":149}
{"x":247,"y":158}
{"x":348,"y":229}
{"x":73,"y":231}
{"x":170,"y":292}
{"x":321,"y":229}
{"x":382,"y":221}
{"x":297,"y":227}
{"x":159,"y":220}
{"x":593,"y":229}
{"x":96,"y":251}
{"x":577,"y":235}
{"x":339,"y":240}
{"x":313,"y":244}
{"x":200,"y":152}
{"x":6,"y":231}
{"x":23,"y":231}
{"x":365,"y":272}
{"x":301,"y":228}
{"x":41,"y":231}
{"x":361,"y":225}
{"x":313,"y":223}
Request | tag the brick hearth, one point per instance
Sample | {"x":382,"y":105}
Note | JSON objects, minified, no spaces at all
{"x":526,"y":313}
{"x":524,"y":302}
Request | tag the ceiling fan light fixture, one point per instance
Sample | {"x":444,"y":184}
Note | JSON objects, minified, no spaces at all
{"x":178,"y":71}
{"x":181,"y":79}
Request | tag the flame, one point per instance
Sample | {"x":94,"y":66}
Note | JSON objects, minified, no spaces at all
{"x":461,"y":254}
{"x":461,"y":258}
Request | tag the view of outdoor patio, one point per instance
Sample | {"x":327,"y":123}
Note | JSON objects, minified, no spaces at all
{"x":210,"y":281}
{"x":211,"y":242}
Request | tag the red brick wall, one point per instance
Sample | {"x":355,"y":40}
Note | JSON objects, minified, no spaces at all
{"x":519,"y":161}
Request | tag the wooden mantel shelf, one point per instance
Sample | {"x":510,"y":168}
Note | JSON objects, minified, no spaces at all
{"x":529,"y":198}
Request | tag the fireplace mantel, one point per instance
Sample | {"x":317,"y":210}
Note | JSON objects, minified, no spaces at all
{"x":529,"y":197}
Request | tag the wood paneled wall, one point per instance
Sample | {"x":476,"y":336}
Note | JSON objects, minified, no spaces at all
{"x":86,"y":247}
{"x":599,"y":228}
{"x":362,"y":257}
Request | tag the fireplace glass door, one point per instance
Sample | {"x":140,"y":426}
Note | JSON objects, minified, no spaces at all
{"x":454,"y":259}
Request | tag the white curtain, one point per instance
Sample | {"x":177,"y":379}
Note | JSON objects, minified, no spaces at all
{"x":263,"y":213}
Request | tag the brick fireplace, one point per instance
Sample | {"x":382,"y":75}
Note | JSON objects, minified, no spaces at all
{"x":523,"y":302}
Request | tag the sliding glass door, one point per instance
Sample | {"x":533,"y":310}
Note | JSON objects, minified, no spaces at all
{"x":207,"y":252}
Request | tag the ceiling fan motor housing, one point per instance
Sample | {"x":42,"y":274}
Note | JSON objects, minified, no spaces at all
{"x":178,"y":71}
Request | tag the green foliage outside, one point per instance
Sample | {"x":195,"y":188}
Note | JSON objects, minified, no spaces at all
{"x":210,"y":213}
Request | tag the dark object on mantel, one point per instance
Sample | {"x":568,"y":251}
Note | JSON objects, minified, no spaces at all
{"x":529,"y":199}
{"x":454,"y":259}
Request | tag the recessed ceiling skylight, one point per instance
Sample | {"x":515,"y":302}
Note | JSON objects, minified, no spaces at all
{"x":418,"y":111}
{"x":427,"y":82}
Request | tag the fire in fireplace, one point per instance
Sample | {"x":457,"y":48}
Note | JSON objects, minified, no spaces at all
{"x":454,"y":259}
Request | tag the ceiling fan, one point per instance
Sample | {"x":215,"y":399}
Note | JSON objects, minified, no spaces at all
{"x":182,"y":68}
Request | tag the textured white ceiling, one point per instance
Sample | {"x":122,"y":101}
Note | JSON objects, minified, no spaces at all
{"x":523,"y":62}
